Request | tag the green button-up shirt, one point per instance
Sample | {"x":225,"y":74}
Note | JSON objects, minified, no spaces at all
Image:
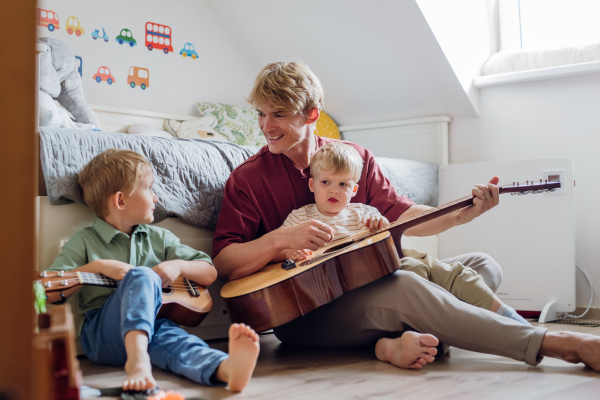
{"x":147,"y":246}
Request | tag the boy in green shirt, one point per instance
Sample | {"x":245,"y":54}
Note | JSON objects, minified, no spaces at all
{"x":120,"y":325}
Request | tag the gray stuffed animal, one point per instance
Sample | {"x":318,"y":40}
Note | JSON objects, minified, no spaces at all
{"x":60,"y":80}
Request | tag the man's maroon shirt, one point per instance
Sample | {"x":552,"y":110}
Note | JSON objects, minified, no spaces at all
{"x":262,"y":191}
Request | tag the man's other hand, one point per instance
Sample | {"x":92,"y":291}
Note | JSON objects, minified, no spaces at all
{"x":485,"y":197}
{"x":307,"y":235}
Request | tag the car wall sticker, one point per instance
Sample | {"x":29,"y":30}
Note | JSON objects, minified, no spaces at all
{"x":96,"y":34}
{"x":105,"y":75}
{"x":74,"y":27}
{"x":125,"y":36}
{"x":138,"y":76}
{"x":47,"y":18}
{"x":158,"y":37}
{"x":189,"y":51}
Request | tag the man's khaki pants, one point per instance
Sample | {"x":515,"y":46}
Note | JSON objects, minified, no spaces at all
{"x":402,"y":301}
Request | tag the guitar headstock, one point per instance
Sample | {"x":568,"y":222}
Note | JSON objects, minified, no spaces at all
{"x":56,"y":280}
{"x":520,"y":188}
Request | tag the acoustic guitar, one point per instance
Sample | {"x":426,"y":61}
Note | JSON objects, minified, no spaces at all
{"x":184,"y":302}
{"x":282,"y":292}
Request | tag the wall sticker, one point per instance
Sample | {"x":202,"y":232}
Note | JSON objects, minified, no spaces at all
{"x":103,"y":74}
{"x":126,"y":37}
{"x":47,"y":18}
{"x":73,"y":26}
{"x":158,"y":37}
{"x":96,"y":35}
{"x":138,"y":76}
{"x":189,"y":50}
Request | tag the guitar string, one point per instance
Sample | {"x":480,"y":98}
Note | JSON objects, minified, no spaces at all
{"x":170,"y":286}
{"x":95,"y":279}
{"x":364,"y":235}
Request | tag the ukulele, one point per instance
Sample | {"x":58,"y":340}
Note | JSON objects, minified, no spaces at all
{"x":184,"y":302}
{"x":282,"y":292}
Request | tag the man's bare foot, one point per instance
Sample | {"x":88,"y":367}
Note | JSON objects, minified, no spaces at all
{"x":139,"y":373}
{"x":411,"y":351}
{"x":243,"y":353}
{"x":572,"y":347}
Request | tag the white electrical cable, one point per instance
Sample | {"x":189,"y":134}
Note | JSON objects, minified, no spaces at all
{"x":591,"y":296}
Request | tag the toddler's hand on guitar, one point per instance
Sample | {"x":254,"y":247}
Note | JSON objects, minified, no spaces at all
{"x":168,"y":271}
{"x":376,"y":222}
{"x":111,"y":268}
{"x":297,"y":255}
{"x":307,"y":235}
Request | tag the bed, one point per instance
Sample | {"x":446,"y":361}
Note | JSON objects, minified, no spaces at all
{"x":421,"y":140}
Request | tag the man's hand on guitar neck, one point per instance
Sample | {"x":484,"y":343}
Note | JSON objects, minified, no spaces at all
{"x":485,"y":198}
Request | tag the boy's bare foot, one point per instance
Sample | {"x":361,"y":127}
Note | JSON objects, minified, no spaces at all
{"x":139,"y":373}
{"x":243,"y":353}
{"x":572,"y":347}
{"x":138,"y":366}
{"x":411,"y":351}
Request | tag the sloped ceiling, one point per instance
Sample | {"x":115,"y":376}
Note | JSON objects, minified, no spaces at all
{"x":378,"y":60}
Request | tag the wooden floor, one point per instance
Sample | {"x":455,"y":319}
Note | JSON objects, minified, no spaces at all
{"x":288,"y":372}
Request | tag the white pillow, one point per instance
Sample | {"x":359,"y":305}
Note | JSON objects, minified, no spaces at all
{"x":147,"y":130}
{"x":200,"y":128}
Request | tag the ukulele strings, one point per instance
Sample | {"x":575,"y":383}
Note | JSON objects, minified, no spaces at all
{"x":106,"y":280}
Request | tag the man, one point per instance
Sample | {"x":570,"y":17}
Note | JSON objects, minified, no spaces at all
{"x":262,"y":191}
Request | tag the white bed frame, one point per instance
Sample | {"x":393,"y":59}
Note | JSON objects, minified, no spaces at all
{"x":418,"y":139}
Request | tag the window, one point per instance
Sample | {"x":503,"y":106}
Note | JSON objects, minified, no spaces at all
{"x":155,"y":39}
{"x":149,"y":38}
{"x":43,"y":14}
{"x":167,"y":30}
{"x":149,"y":26}
{"x":155,"y":28}
{"x":161,"y":29}
{"x":161,"y":40}
{"x":107,"y":71}
{"x":101,"y":70}
{"x":167,"y":42}
{"x":545,"y":24}
{"x":131,"y":71}
{"x":142,"y":73}
{"x":51,"y":15}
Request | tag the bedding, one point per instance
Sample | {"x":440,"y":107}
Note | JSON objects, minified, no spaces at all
{"x":190,"y":174}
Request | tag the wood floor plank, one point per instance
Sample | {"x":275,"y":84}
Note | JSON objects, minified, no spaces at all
{"x":291,"y":372}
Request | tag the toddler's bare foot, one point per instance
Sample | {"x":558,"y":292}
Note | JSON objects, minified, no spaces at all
{"x":572,"y":347}
{"x":139,"y":373}
{"x":410,"y":351}
{"x":243,"y":353}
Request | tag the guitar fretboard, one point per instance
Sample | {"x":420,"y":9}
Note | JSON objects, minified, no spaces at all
{"x":90,"y":278}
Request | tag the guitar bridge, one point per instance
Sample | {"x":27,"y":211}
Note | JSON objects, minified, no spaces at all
{"x":288,"y":264}
{"x":193,"y":288}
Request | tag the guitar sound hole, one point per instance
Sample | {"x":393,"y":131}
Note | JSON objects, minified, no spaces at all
{"x":167,"y":289}
{"x":336,"y":248}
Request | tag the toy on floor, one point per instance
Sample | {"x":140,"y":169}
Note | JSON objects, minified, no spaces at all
{"x":60,"y":80}
{"x":150,"y":394}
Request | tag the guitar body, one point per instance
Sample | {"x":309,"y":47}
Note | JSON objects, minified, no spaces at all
{"x":183,"y":309}
{"x":274,"y":296}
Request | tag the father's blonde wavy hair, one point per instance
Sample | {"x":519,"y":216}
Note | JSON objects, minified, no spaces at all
{"x":112,"y":171}
{"x":287,"y":86}
{"x":339,"y":158}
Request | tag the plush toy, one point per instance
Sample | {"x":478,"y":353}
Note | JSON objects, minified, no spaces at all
{"x":60,"y":80}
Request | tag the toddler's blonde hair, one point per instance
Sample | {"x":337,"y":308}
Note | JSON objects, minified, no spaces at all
{"x":338,"y":157}
{"x":287,"y":86}
{"x":112,"y":171}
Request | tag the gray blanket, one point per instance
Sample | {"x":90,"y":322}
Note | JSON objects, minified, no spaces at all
{"x":190,"y":174}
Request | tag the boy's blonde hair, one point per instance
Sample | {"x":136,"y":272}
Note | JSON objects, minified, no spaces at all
{"x":338,"y":157}
{"x":287,"y":86}
{"x":112,"y":171}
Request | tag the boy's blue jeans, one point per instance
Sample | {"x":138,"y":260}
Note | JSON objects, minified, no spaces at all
{"x":134,"y":305}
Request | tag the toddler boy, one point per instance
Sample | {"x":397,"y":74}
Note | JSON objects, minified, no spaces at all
{"x":120,"y":325}
{"x":335,"y":168}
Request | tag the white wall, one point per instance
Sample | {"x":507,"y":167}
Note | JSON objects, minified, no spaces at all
{"x":544,"y":119}
{"x":467,"y":31}
{"x":377,"y":60}
{"x":224,"y":71}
